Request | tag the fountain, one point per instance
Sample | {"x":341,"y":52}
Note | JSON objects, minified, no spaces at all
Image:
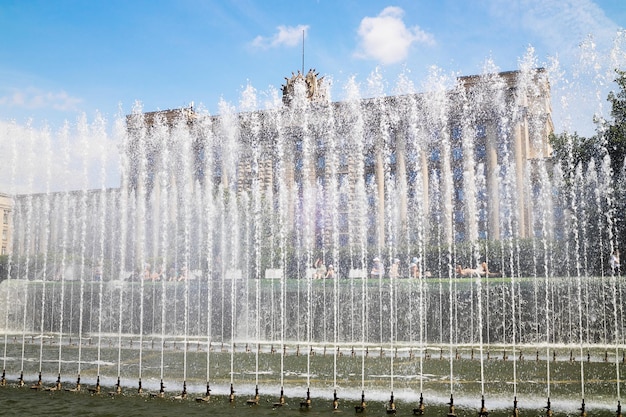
{"x":198,"y":272}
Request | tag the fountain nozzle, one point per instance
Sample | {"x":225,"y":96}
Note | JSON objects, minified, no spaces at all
{"x":161,"y":393}
{"x":451,"y":412}
{"x":3,"y":381}
{"x":335,"y":401}
{"x":231,"y":397}
{"x":255,"y":400}
{"x":20,"y":382}
{"x":38,"y":384}
{"x":391,"y":408}
{"x":281,"y":399}
{"x":118,"y":388}
{"x":548,"y":408}
{"x":307,"y":401}
{"x":419,"y":411}
{"x":207,"y":395}
{"x":96,"y":390}
{"x":618,"y":413}
{"x":140,"y":389}
{"x":57,"y":385}
{"x":183,"y":394}
{"x":361,"y":407}
{"x":76,"y":388}
{"x":483,"y":410}
{"x":583,"y":413}
{"x":515,"y":409}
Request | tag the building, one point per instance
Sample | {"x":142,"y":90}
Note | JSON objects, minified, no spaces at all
{"x":6,"y":206}
{"x":256,"y":190}
{"x":438,"y":167}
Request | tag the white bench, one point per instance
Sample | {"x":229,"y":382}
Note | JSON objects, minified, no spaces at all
{"x":233,"y":274}
{"x":357,"y":273}
{"x":276,"y":273}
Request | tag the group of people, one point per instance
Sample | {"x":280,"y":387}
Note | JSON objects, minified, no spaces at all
{"x":481,"y":271}
{"x":160,"y":275}
{"x":378,"y":269}
{"x":322,"y":272}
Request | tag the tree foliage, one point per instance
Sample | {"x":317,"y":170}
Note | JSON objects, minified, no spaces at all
{"x":616,"y":130}
{"x":572,"y":150}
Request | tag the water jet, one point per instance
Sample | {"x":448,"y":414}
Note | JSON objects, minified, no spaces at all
{"x":243,"y":204}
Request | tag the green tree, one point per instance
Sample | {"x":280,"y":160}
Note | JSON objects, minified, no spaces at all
{"x":615,"y":131}
{"x":570,"y":150}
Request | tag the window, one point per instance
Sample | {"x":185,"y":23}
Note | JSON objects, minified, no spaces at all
{"x":460,"y":193}
{"x":481,"y":151}
{"x":342,"y":180}
{"x":343,"y":160}
{"x":457,"y":173}
{"x":456,"y":132}
{"x":343,"y":200}
{"x":321,"y":162}
{"x":435,"y":155}
{"x":342,"y":221}
{"x":481,"y":131}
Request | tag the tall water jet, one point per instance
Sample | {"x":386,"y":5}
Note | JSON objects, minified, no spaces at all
{"x":231,"y":212}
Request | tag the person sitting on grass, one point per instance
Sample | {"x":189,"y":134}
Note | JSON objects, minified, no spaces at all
{"x":468,"y":272}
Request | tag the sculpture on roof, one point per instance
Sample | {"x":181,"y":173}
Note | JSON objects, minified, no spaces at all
{"x":313,"y":84}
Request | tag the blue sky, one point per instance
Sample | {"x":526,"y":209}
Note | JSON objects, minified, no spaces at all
{"x":60,"y":59}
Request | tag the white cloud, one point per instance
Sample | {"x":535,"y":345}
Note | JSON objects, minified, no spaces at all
{"x":285,"y":35}
{"x":33,"y":98}
{"x":386,"y":38}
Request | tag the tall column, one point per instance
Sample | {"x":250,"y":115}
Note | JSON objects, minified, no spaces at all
{"x":521,"y":133}
{"x":493,"y":201}
{"x":401,"y":182}
{"x":155,"y":217}
{"x":446,"y":191}
{"x":425,"y":215}
{"x":380,"y":183}
{"x":140,"y":215}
